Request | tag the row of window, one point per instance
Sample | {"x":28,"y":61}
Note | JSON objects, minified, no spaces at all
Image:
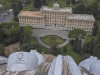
{"x":31,"y":18}
{"x":32,"y":21}
{"x":79,"y":22}
{"x":53,"y":13}
{"x":79,"y":25}
{"x":79,"y":28}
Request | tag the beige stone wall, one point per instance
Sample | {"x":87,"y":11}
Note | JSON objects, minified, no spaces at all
{"x":55,"y":20}
{"x":82,"y":24}
{"x":36,"y":22}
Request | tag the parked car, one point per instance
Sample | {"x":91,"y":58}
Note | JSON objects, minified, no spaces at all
{"x":2,"y":18}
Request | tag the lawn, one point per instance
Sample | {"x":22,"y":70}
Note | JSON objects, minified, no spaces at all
{"x":73,"y":54}
{"x":88,"y":38}
{"x":5,"y":3}
{"x":39,"y":48}
{"x":70,"y":51}
{"x":47,"y":40}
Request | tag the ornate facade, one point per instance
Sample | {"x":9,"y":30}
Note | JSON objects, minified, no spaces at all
{"x":56,"y":18}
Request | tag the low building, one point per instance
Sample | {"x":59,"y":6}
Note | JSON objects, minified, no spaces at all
{"x":56,"y":19}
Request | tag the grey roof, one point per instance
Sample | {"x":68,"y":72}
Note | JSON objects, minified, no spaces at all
{"x":81,"y":17}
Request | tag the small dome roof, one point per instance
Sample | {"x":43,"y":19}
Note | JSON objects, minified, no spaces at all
{"x":87,"y":62}
{"x":95,"y":68}
{"x":56,"y":5}
{"x":21,"y":61}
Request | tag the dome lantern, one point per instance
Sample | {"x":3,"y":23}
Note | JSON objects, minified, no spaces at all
{"x":56,"y":6}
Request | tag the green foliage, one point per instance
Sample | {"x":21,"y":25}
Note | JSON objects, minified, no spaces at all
{"x":21,"y":35}
{"x":20,"y":7}
{"x":56,"y":40}
{"x":80,"y":9}
{"x":5,"y":3}
{"x":89,"y":37}
{"x":27,"y":30}
{"x":75,"y":44}
{"x":37,"y":3}
{"x":8,"y":25}
{"x":64,"y":49}
{"x":91,"y":46}
{"x":12,"y":31}
{"x":25,"y":40}
{"x":95,"y":30}
{"x":44,"y":2}
{"x":54,"y":50}
{"x":25,"y":47}
{"x":10,"y":40}
{"x":96,"y":50}
{"x":79,"y":46}
{"x":73,"y":54}
{"x":2,"y":48}
{"x":8,"y":32}
{"x":27,"y":2}
{"x":77,"y":33}
{"x":95,"y":9}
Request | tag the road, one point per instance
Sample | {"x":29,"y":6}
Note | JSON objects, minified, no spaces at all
{"x":7,"y":17}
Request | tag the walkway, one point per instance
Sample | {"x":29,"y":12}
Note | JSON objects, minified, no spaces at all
{"x":37,"y":33}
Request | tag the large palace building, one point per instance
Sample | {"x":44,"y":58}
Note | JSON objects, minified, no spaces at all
{"x":56,"y":19}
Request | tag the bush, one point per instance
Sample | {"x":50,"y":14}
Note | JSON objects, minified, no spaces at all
{"x":2,"y":48}
{"x":10,"y":40}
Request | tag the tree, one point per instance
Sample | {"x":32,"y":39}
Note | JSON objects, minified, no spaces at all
{"x":12,"y":31}
{"x":13,"y":5}
{"x":64,"y":50}
{"x":37,"y":3}
{"x":80,"y":9}
{"x":75,"y":44}
{"x":95,"y":29}
{"x":25,"y":47}
{"x":73,"y":1}
{"x":21,"y":35}
{"x":19,"y":6}
{"x":25,"y":40}
{"x":2,"y":48}
{"x":78,"y":48}
{"x":8,"y":25}
{"x":91,"y":46}
{"x":95,"y":9}
{"x":54,"y":50}
{"x":68,"y":2}
{"x":77,"y":33}
{"x":96,"y":50}
{"x":43,"y":2}
{"x":15,"y":11}
{"x":97,"y":41}
{"x":27,"y":30}
{"x":27,"y":1}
